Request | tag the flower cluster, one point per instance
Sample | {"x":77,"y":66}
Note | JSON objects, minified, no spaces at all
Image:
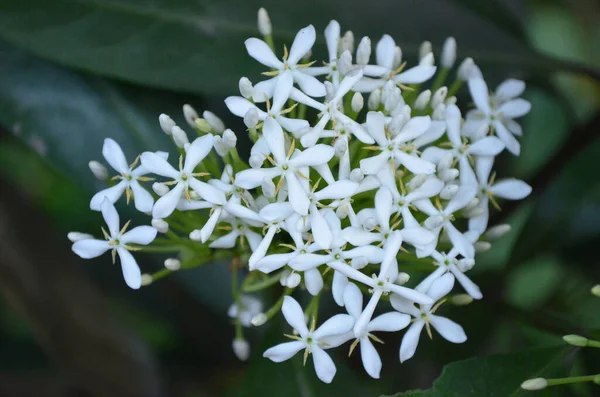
{"x":340,"y":193}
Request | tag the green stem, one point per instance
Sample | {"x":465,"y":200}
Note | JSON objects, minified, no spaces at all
{"x":454,"y":88}
{"x":266,"y":283}
{"x":151,"y":248}
{"x":277,"y":306}
{"x":160,"y":274}
{"x":439,"y":80}
{"x":574,"y":379}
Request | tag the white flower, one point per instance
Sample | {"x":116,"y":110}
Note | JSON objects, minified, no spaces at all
{"x":424,"y":317}
{"x":129,"y":177}
{"x":387,"y":322}
{"x":117,"y":240}
{"x":247,"y":307}
{"x":309,"y":340}
{"x":184,"y":178}
{"x":386,"y":70}
{"x":510,"y":189}
{"x":500,"y":109}
{"x":302,"y":44}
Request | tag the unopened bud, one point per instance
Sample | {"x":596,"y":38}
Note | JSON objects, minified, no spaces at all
{"x":424,"y":49}
{"x":496,"y":232}
{"x":241,"y":349}
{"x":190,"y":115}
{"x":229,"y":138}
{"x":423,"y":100}
{"x":160,"y":188}
{"x":596,"y":290}
{"x":341,"y":147}
{"x":448,"y":192}
{"x":356,"y":175}
{"x":402,"y":278}
{"x":215,"y":122}
{"x":461,"y":299}
{"x":196,"y":235}
{"x":448,"y":53}
{"x":450,"y":101}
{"x":534,"y":384}
{"x":347,"y":41}
{"x":445,"y":162}
{"x":221,"y":148}
{"x":465,"y":69}
{"x":99,"y":171}
{"x":264,"y":23}
{"x":475,"y":212}
{"x":363,"y":52}
{"x":160,"y":225}
{"x":146,"y":279}
{"x":77,"y":236}
{"x":293,"y":280}
{"x":448,"y":175}
{"x":374,"y":100}
{"x":416,"y":182}
{"x":396,"y":124}
{"x":256,"y":160}
{"x":259,"y":319}
{"x":357,"y":102}
{"x":172,"y":264}
{"x":179,"y":137}
{"x":439,"y":97}
{"x":359,"y":262}
{"x":472,"y":204}
{"x":482,"y":246}
{"x":166,"y":123}
{"x":251,"y":118}
{"x":268,"y":188}
{"x":370,"y":223}
{"x":427,"y":60}
{"x":465,"y":264}
{"x":439,"y":112}
{"x":576,"y":340}
{"x":345,"y":63}
{"x":433,"y":222}
{"x":246,"y":87}
{"x":342,"y":211}
{"x":397,"y":57}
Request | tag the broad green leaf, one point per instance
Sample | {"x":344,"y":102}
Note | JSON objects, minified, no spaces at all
{"x":198,"y":46}
{"x":498,"y":375}
{"x":545,"y":273}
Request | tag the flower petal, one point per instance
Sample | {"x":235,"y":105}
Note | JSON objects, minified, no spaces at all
{"x":385,"y":51}
{"x":453,"y":119}
{"x":294,"y":315}
{"x":309,"y":84}
{"x":142,"y":198}
{"x":370,"y":358}
{"x":338,"y":288}
{"x":509,"y":89}
{"x":389,"y":322}
{"x":480,"y":94}
{"x":143,"y":235}
{"x":261,"y":51}
{"x":372,"y":165}
{"x":488,"y":146}
{"x":303,"y":42}
{"x":239,"y":105}
{"x":413,"y":163}
{"x":282,"y":91}
{"x":383,"y":206}
{"x":296,"y":194}
{"x":284,"y":351}
{"x":509,"y":140}
{"x":273,"y":135}
{"x":90,"y":248}
{"x":469,"y":286}
{"x":449,"y":330}
{"x":318,"y":154}
{"x":353,"y":299}
{"x":415,"y":75}
{"x":114,"y":156}
{"x":158,"y":165}
{"x":441,"y":287}
{"x":313,"y":281}
{"x":460,"y":242}
{"x":413,"y":129}
{"x":165,"y":205}
{"x":359,"y":237}
{"x":376,"y":127}
{"x":129,"y":267}
{"x":197,"y":151}
{"x":112,"y":194}
{"x":515,"y":108}
{"x":336,"y":325}
{"x":410,"y":341}
{"x":511,"y":189}
{"x":461,"y":199}
{"x":207,"y":192}
{"x":324,"y":366}
{"x":111,"y":216}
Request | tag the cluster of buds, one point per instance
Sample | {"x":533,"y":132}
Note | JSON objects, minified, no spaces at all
{"x":385,"y":197}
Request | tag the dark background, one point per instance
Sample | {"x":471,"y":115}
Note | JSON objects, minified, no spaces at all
{"x":73,"y":72}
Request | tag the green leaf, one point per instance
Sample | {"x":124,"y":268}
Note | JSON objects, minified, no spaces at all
{"x":496,"y":375}
{"x":199,"y":47}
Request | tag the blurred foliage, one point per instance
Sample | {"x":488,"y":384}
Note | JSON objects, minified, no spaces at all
{"x":74,"y":72}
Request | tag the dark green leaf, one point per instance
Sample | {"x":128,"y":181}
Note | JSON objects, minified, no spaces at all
{"x":198,"y":46}
{"x":498,"y":375}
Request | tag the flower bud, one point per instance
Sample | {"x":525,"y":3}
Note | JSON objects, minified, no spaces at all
{"x":448,"y":53}
{"x":576,"y":340}
{"x":439,"y":97}
{"x":397,"y":57}
{"x":475,"y":212}
{"x":448,"y":192}
{"x":342,"y":210}
{"x":363,"y":52}
{"x":496,"y":232}
{"x":166,"y":123}
{"x":450,"y":101}
{"x":160,"y":225}
{"x":357,"y":102}
{"x":77,"y":236}
{"x":251,"y":118}
{"x":465,"y":264}
{"x":534,"y":384}
{"x":347,"y":41}
{"x":241,"y":349}
{"x":293,"y":280}
{"x":160,"y":188}
{"x":465,"y":69}
{"x":433,"y":222}
{"x":256,"y":160}
{"x":427,"y":60}
{"x":356,"y":175}
{"x":439,"y":113}
{"x":374,"y":100}
{"x":341,"y":147}
{"x":482,"y":246}
{"x":359,"y":262}
{"x":445,"y":162}
{"x":422,"y":100}
{"x":215,"y":122}
{"x":194,"y":195}
{"x":424,"y":49}
{"x":396,"y":124}
{"x":472,"y":204}
{"x":229,"y":138}
{"x":146,"y":279}
{"x":345,"y":63}
{"x":196,"y":235}
{"x":596,"y":290}
{"x":268,"y":188}
{"x":259,"y":319}
{"x":99,"y":171}
{"x":179,"y":137}
{"x":172,"y":264}
{"x":370,"y":223}
{"x":448,"y":175}
{"x":416,"y":182}
{"x":391,"y":96}
{"x":246,"y":87}
{"x":264,"y":23}
{"x":190,"y":115}
{"x":220,"y":147}
{"x":402,"y":278}
{"x":461,"y":299}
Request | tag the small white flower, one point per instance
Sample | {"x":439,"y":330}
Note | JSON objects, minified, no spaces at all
{"x":117,"y":240}
{"x":247,"y":307}
{"x":309,"y":340}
